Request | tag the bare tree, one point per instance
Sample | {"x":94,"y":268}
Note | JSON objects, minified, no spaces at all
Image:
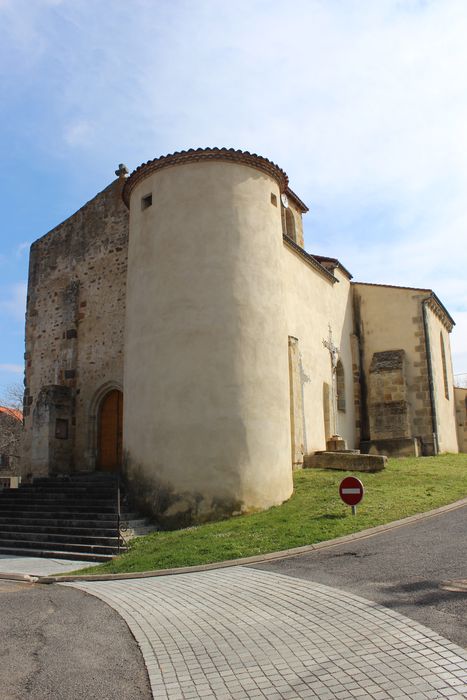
{"x":11,"y":428}
{"x":13,"y":397}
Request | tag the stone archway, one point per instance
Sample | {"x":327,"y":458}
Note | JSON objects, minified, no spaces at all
{"x":109,"y":432}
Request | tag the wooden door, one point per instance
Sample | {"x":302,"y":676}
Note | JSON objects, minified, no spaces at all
{"x":110,"y":432}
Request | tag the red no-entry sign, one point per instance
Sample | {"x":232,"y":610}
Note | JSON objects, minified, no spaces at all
{"x":351,"y":490}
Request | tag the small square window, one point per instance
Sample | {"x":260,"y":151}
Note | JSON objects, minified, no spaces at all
{"x":146,"y":201}
{"x":273,"y":199}
{"x":61,"y":429}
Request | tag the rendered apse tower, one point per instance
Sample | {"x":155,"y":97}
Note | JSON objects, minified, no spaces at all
{"x":206,"y":411}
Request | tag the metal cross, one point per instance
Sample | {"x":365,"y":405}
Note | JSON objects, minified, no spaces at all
{"x":334,"y":351}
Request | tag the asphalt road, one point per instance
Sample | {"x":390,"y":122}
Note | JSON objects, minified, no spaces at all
{"x":420,"y":570}
{"x":61,"y":644}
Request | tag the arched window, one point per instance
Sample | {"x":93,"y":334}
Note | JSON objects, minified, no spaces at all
{"x":290,"y":225}
{"x":340,"y":386}
{"x":445,"y":371}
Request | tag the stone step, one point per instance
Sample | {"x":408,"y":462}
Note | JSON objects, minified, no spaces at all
{"x":65,"y":522}
{"x":20,"y":494}
{"x":77,"y":476}
{"x":42,"y":498}
{"x":30,"y":490}
{"x":60,"y":546}
{"x":72,"y":506}
{"x":55,"y":554}
{"x":138,"y":531}
{"x":135,"y":522}
{"x":56,"y":515}
{"x":70,"y":518}
{"x":65,"y":538}
{"x":60,"y":527}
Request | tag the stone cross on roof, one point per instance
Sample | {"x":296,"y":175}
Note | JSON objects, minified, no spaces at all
{"x":122,"y":171}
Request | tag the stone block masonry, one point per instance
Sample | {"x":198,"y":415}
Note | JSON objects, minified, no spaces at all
{"x":74,"y":331}
{"x":389,"y":408}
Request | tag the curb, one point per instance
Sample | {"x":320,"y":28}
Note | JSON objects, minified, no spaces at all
{"x":244,"y":561}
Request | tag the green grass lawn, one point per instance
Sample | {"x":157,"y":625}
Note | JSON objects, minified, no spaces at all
{"x":314,"y":513}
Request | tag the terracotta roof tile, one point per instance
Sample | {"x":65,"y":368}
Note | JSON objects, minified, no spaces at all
{"x":202,"y":154}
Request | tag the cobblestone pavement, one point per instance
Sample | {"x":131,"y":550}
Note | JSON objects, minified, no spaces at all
{"x":243,"y":633}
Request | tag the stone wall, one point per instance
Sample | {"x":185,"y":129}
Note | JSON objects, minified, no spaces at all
{"x":357,"y":389}
{"x":386,"y":318}
{"x":460,"y":395}
{"x":53,"y":430}
{"x":316,"y":301}
{"x":389,"y":413}
{"x":388,"y":406}
{"x":443,"y":387}
{"x":74,"y":333}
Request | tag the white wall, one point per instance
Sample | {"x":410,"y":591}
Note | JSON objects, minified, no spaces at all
{"x":206,"y":409}
{"x":313,"y":302}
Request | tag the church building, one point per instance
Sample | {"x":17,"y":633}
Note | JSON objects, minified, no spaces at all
{"x":178,"y":332}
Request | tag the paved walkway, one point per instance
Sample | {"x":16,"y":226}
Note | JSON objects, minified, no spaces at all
{"x":242,"y":633}
{"x":38,"y":566}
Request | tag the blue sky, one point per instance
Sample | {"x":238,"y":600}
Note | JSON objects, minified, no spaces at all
{"x":364,"y":104}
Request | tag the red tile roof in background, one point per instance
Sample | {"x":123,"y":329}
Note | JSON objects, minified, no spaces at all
{"x":12,"y":412}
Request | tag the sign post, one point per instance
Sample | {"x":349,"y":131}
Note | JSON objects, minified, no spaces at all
{"x":351,"y":492}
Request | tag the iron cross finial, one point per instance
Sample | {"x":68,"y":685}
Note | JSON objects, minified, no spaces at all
{"x":333,"y":349}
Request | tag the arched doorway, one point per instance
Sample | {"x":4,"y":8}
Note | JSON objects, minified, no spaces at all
{"x":109,"y":435}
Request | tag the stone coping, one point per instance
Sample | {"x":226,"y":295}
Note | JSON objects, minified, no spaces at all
{"x":244,"y":561}
{"x":309,"y":259}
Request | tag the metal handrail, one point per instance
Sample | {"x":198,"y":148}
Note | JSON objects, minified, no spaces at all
{"x":118,"y":515}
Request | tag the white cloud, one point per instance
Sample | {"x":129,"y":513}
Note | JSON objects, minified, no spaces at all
{"x":78,"y":133}
{"x":15,"y":302}
{"x":22,"y":249}
{"x":459,"y":343}
{"x":13,"y":369}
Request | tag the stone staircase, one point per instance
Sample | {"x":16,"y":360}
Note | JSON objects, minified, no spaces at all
{"x":63,"y":517}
